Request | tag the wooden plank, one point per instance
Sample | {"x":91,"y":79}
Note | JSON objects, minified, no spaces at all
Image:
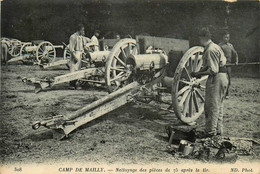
{"x":56,"y":63}
{"x":103,"y":100}
{"x":74,"y":76}
{"x":20,"y":58}
{"x":103,"y":106}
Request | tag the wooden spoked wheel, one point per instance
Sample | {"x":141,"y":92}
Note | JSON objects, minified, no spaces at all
{"x":188,"y":92}
{"x":66,"y":53}
{"x":22,"y":50}
{"x":116,"y":71}
{"x":10,"y":48}
{"x":45,"y":53}
{"x":11,"y":44}
{"x":15,"y":52}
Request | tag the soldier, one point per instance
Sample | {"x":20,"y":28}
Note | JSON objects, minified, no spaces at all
{"x":230,"y":53}
{"x":76,"y":47}
{"x":216,"y":85}
{"x":4,"y":51}
{"x":94,"y":40}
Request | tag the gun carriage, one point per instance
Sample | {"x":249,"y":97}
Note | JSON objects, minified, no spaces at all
{"x":14,"y":46}
{"x":43,"y":53}
{"x":39,"y":52}
{"x":92,"y":66}
{"x":133,"y":73}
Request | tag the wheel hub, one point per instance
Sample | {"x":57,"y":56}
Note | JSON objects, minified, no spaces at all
{"x":194,"y":83}
{"x":45,"y":54}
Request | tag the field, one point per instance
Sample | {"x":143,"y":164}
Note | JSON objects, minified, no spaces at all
{"x":132,"y":134}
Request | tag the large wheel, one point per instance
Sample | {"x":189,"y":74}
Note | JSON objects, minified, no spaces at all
{"x":66,"y":53}
{"x":10,"y":48}
{"x":22,"y":50}
{"x":188,"y":92}
{"x":15,"y":52}
{"x":116,"y":72}
{"x":45,"y":53}
{"x":11,"y":44}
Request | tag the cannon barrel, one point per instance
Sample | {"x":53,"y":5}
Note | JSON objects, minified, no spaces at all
{"x":99,"y":56}
{"x":30,"y":48}
{"x":147,"y":61}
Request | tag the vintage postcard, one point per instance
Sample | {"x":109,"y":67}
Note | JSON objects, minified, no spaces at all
{"x":129,"y":86}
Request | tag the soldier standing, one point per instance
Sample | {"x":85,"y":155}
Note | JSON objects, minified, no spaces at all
{"x":216,"y":85}
{"x":76,"y":47}
{"x":230,"y":53}
{"x":4,"y":51}
{"x":94,"y":40}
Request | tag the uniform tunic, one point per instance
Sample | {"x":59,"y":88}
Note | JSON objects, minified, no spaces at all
{"x":94,"y":40}
{"x":76,"y":47}
{"x":216,"y":87}
{"x":229,"y":52}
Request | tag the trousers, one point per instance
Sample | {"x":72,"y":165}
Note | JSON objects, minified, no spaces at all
{"x":75,"y":62}
{"x":229,"y":79}
{"x":216,"y":87}
{"x":4,"y":51}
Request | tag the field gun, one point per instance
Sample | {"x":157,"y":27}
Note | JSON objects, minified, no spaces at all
{"x":38,"y":52}
{"x":155,"y":74}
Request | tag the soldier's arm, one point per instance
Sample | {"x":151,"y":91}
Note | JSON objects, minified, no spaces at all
{"x":234,"y":53}
{"x":72,"y":45}
{"x":209,"y":68}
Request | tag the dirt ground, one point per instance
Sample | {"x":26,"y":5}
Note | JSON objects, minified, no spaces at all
{"x":131,"y":134}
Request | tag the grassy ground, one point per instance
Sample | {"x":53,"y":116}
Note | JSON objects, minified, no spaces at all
{"x":132,"y":134}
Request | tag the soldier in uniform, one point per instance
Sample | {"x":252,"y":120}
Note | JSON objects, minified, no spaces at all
{"x":76,"y":47}
{"x":4,"y":51}
{"x":230,"y":53}
{"x":214,"y":66}
{"x":94,"y":40}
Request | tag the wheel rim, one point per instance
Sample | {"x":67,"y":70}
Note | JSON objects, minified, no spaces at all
{"x":22,"y":50}
{"x":188,"y":92}
{"x":66,"y":53}
{"x":10,"y":48}
{"x":16,"y":50}
{"x":45,"y":53}
{"x":117,"y":73}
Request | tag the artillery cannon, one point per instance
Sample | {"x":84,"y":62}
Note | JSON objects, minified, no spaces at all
{"x":39,"y":52}
{"x":152,"y":75}
{"x":93,"y":65}
{"x":14,"y":46}
{"x":105,"y":45}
